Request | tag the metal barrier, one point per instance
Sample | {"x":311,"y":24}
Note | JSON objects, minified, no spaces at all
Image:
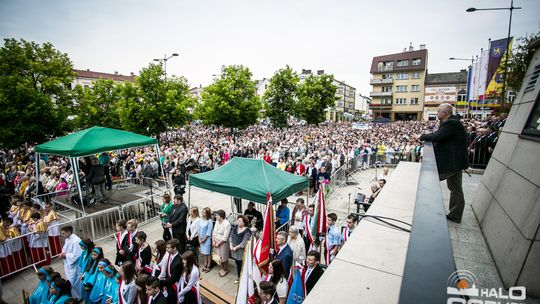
{"x":97,"y":226}
{"x":429,"y":259}
{"x":17,"y":254}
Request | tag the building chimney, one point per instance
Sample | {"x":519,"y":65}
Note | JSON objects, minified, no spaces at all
{"x":422,"y":46}
{"x":320,"y":72}
{"x":88,"y":70}
{"x":115,"y":72}
{"x":404,"y":50}
{"x":411,"y":48}
{"x":132,"y":74}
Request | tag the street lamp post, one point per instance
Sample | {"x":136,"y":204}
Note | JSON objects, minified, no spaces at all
{"x":164,"y":60}
{"x":468,"y":82}
{"x":511,"y":9}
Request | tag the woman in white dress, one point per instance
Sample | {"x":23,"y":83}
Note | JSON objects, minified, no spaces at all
{"x":192,"y":233}
{"x":188,"y":286}
{"x":297,"y":245}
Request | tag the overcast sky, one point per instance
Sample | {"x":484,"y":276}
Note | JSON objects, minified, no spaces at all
{"x":338,"y":36}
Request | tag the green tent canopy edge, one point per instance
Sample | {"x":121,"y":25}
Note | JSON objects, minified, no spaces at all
{"x":250,"y":179}
{"x":94,"y":140}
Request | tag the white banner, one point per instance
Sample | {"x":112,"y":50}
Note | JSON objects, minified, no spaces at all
{"x":440,"y":94}
{"x":360,"y":126}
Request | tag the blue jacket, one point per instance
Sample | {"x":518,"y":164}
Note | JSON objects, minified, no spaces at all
{"x":285,"y":255}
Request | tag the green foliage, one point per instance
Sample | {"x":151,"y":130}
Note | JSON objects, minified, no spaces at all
{"x":280,"y":97}
{"x":34,"y":94}
{"x":315,"y":94}
{"x":153,"y":104}
{"x":98,"y":105}
{"x":230,"y":101}
{"x":519,"y":61}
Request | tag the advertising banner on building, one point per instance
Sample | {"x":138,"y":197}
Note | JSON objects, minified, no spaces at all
{"x":440,"y":94}
{"x":497,"y":57}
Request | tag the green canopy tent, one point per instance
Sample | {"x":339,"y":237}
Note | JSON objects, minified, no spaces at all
{"x":250,"y":179}
{"x":89,"y":142}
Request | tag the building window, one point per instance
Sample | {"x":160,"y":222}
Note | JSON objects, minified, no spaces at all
{"x":462,"y":95}
{"x":415,"y":75}
{"x":403,"y":63}
{"x":401,"y":88}
{"x":387,"y":89}
{"x":414,"y":101}
{"x":340,"y":103}
{"x":401,"y":101}
{"x":386,"y":101}
{"x":387,"y":76}
{"x":402,"y":76}
{"x":532,"y":127}
{"x":416,"y":61}
{"x":415,"y":88}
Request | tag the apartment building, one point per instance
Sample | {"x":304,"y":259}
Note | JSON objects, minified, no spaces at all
{"x":398,"y":84}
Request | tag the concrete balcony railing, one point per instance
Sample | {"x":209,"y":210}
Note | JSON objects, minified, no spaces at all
{"x":400,"y":252}
{"x":380,"y":94}
{"x":385,"y":69}
{"x":381,"y":81}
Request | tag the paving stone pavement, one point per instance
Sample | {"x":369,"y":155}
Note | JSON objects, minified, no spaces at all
{"x":471,"y":251}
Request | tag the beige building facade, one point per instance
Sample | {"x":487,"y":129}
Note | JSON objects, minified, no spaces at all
{"x":398,"y":84}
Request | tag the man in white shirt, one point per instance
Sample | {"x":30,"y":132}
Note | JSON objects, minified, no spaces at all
{"x":71,"y":253}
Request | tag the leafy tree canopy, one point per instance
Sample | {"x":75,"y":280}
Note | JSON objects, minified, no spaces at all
{"x":97,"y":105}
{"x":281,"y":96}
{"x":34,"y":93}
{"x":153,"y":104}
{"x":315,"y":94}
{"x":231,"y":100}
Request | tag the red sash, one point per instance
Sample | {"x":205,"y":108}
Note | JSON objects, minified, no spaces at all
{"x":120,"y":301}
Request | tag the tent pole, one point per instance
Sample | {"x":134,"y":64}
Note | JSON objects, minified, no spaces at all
{"x":75,"y":161}
{"x":37,"y":174}
{"x":232,"y":207}
{"x":161,"y":166}
{"x":189,"y":198}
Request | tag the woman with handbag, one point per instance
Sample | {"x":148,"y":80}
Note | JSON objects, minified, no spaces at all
{"x":220,"y":241}
{"x":164,"y":211}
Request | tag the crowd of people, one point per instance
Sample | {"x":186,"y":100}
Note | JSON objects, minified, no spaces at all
{"x":167,"y":270}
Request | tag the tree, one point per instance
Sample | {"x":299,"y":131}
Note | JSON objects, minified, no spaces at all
{"x":97,"y":105}
{"x":34,"y":94}
{"x":519,"y":61}
{"x":315,"y":94}
{"x":152,"y":104}
{"x":230,"y":101}
{"x":281,"y":96}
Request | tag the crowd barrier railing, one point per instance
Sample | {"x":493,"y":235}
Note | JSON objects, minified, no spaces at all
{"x":97,"y":226}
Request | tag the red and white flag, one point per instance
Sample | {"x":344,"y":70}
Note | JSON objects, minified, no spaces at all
{"x":265,"y":243}
{"x":246,"y":287}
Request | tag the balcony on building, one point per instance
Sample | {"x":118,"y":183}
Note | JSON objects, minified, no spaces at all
{"x":385,"y":68}
{"x":380,"y":94}
{"x":381,"y":81}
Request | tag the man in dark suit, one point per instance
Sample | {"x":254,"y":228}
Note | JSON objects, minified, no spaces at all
{"x":450,"y":146}
{"x":171,"y":272}
{"x":284,"y":252}
{"x":155,"y":296}
{"x":312,"y":271}
{"x":177,"y":221}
